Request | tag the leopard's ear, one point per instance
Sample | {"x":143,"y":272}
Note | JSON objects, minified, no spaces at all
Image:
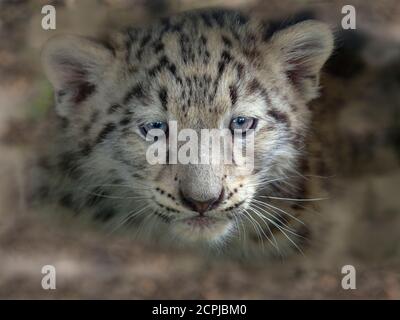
{"x":74,"y":65}
{"x":303,"y":49}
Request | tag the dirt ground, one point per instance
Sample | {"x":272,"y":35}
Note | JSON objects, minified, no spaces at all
{"x":361,"y":93}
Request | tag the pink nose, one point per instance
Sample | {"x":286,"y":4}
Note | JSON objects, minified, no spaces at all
{"x":202,"y":206}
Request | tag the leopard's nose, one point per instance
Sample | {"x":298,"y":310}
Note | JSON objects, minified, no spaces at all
{"x":202,"y":206}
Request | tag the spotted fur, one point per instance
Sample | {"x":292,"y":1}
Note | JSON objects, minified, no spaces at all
{"x":201,"y":69}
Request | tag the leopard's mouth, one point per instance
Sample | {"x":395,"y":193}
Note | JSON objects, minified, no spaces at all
{"x":201,"y":227}
{"x":192,"y":227}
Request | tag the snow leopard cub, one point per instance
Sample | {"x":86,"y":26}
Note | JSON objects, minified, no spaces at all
{"x":208,"y":69}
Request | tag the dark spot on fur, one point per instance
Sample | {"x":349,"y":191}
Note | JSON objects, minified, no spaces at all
{"x":254,"y":86}
{"x":233,"y":94}
{"x":145,"y":40}
{"x":158,"y":46}
{"x":163,"y":96}
{"x":226,"y":56}
{"x":252,"y":54}
{"x":227,"y":42}
{"x":125,"y":121}
{"x":240,"y":70}
{"x":164,"y":63}
{"x":86,"y":149}
{"x":60,"y":95}
{"x":95,"y":116}
{"x":135,"y":92}
{"x":279,"y":116}
{"x":203,"y":40}
{"x":109,"y":127}
{"x":83,"y":91}
{"x":265,"y":96}
{"x":164,"y":217}
{"x":117,"y":181}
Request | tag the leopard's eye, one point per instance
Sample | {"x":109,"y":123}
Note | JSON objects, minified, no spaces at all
{"x":243,"y":123}
{"x":146,"y":129}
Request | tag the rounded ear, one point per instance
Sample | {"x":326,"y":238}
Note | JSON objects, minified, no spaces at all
{"x":75,"y":65}
{"x":303,"y":49}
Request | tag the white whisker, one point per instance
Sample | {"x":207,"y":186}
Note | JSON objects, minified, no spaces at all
{"x":293,"y":199}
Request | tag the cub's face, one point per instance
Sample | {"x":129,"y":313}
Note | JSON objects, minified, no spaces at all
{"x":118,"y":105}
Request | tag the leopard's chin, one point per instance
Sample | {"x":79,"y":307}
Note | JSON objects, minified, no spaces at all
{"x":202,"y":229}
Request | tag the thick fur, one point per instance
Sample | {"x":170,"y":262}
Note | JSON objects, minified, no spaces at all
{"x":200,"y":69}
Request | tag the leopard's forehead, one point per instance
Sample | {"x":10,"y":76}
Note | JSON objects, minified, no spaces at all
{"x":191,"y":39}
{"x":194,"y":67}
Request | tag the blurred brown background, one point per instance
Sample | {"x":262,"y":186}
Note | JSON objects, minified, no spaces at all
{"x":360,"y":120}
